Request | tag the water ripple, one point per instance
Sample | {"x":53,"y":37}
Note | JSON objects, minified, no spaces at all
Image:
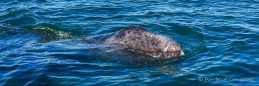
{"x":40,"y":42}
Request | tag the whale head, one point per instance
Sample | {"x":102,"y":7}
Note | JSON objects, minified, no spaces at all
{"x":149,"y":43}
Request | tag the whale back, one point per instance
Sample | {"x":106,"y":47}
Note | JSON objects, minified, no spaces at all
{"x":143,"y":39}
{"x":138,"y":38}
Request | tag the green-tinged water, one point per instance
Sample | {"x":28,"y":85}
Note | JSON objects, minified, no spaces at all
{"x":40,"y":42}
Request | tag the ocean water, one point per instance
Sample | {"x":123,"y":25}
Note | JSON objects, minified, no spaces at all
{"x":40,"y":42}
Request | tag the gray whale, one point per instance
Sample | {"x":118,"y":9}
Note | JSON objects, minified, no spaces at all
{"x":143,"y":41}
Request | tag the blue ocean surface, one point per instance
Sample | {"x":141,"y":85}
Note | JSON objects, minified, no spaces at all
{"x":40,"y":42}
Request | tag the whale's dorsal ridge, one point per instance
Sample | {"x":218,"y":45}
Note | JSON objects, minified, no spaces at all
{"x":133,"y":28}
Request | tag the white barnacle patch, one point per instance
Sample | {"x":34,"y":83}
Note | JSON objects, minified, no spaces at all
{"x":160,"y":40}
{"x":165,"y":49}
{"x":173,"y":49}
{"x":147,"y":34}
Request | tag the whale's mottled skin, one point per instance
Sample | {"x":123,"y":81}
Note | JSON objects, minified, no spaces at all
{"x":143,"y":41}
